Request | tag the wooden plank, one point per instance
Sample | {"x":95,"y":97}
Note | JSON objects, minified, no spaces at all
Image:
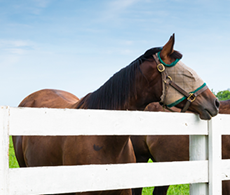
{"x":224,"y":123}
{"x":198,"y":150}
{"x":225,"y":169}
{"x":4,"y":151}
{"x":215,"y":185}
{"x":104,"y":177}
{"x":44,"y":121}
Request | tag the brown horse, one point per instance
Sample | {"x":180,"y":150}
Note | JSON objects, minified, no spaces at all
{"x":132,"y":88}
{"x":173,"y":148}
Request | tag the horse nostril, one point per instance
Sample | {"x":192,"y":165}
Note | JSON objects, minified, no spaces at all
{"x":217,"y":103}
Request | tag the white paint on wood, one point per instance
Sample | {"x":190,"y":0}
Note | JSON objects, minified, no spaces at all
{"x":46,"y":121}
{"x":198,"y":150}
{"x":223,"y":123}
{"x":198,"y":147}
{"x":215,"y":185}
{"x":105,"y":177}
{"x":225,"y":169}
{"x":4,"y":148}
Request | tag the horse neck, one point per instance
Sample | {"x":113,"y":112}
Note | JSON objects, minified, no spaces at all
{"x":81,"y":103}
{"x":148,"y":87}
{"x":144,"y":87}
{"x":117,"y":144}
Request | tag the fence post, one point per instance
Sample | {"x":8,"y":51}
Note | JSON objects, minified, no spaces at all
{"x":4,"y":150}
{"x":215,"y":182}
{"x":198,"y":150}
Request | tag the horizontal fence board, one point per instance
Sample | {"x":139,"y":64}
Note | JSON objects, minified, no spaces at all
{"x":225,"y":169}
{"x":223,"y":123}
{"x":46,"y":121}
{"x":61,"y":179}
{"x":105,"y":177}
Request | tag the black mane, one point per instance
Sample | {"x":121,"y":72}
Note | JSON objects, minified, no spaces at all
{"x":118,"y":89}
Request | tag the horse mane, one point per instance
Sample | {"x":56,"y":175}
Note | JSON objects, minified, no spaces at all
{"x":118,"y":89}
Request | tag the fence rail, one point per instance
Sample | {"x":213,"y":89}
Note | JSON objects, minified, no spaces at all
{"x":205,"y":172}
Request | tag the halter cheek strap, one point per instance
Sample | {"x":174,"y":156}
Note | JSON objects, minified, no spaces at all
{"x":167,"y":81}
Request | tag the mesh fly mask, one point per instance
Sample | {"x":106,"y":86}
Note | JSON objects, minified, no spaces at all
{"x":179,"y":83}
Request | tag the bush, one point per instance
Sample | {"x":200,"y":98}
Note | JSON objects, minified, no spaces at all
{"x":223,"y":95}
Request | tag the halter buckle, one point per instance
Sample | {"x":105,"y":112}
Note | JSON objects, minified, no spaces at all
{"x":191,"y":97}
{"x":160,"y":67}
{"x":168,"y":77}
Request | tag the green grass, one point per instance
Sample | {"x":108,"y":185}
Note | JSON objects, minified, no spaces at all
{"x":173,"y":190}
{"x":12,"y":159}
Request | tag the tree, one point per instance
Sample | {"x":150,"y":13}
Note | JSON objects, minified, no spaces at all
{"x":223,"y":95}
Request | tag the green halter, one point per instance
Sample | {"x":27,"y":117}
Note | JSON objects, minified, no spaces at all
{"x":167,"y":65}
{"x":183,"y":98}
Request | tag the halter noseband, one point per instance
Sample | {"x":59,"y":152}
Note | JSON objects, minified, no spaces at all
{"x":167,"y":80}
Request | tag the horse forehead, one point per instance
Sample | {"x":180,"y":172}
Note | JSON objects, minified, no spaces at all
{"x":181,"y":69}
{"x":184,"y":77}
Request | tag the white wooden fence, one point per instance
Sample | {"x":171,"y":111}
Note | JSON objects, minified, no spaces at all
{"x":205,"y":171}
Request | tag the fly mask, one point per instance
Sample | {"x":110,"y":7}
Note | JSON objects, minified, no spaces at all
{"x":179,"y":83}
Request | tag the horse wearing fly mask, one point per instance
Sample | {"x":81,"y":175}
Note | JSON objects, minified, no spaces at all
{"x":132,"y":88}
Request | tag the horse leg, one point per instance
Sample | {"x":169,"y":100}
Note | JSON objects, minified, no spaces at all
{"x":136,"y":191}
{"x":160,"y":190}
{"x":17,"y":142}
{"x":142,"y":155}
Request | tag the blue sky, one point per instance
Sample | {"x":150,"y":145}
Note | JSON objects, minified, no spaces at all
{"x":76,"y":45}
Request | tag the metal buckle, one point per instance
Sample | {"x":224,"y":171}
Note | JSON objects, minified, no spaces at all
{"x":168,"y":77}
{"x":160,"y":67}
{"x":191,"y":97}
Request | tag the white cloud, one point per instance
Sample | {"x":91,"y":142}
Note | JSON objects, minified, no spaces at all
{"x":42,"y":3}
{"x":13,"y":43}
{"x":28,"y":6}
{"x":16,"y":46}
{"x":16,"y":51}
{"x":12,"y":51}
{"x":116,"y":8}
{"x":120,"y":5}
{"x":37,"y":6}
{"x":8,"y":60}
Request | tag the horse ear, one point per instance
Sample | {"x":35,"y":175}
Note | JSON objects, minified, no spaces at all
{"x":168,"y":47}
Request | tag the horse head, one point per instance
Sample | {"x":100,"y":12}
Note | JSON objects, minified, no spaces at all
{"x":172,"y":83}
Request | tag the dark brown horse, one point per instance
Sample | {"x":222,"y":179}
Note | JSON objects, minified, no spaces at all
{"x":173,"y":148}
{"x":132,"y":88}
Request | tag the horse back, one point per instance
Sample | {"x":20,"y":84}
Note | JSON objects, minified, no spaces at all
{"x":224,"y":107}
{"x":49,"y":98}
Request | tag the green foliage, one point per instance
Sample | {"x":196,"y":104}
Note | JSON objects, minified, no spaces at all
{"x":179,"y":190}
{"x":223,"y":95}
